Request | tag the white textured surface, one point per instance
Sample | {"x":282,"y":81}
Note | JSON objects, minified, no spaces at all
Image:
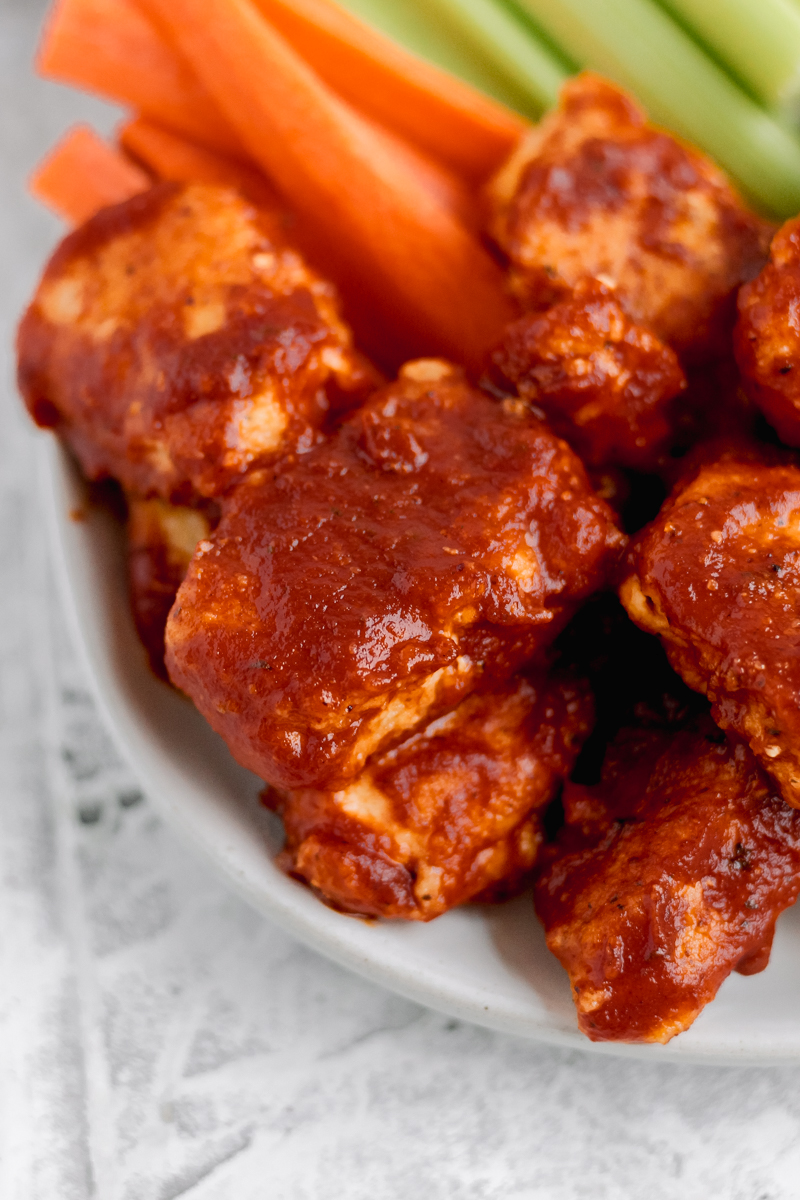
{"x":157,"y":1039}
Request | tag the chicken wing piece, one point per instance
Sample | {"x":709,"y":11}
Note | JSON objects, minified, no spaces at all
{"x":177,"y":340}
{"x":717,"y":576}
{"x":668,"y":876}
{"x":767,"y":337}
{"x":593,"y":190}
{"x":452,"y":811}
{"x":162,"y":539}
{"x":438,"y":541}
{"x":604,"y":383}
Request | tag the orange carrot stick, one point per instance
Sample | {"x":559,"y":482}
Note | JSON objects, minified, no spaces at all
{"x":428,"y":278}
{"x":170,"y":156}
{"x":83,"y":174}
{"x":173,"y":156}
{"x":431,"y":108}
{"x":110,"y":47}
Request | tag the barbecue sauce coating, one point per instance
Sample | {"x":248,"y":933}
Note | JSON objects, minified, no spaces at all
{"x":449,"y":813}
{"x":668,"y":876}
{"x":767,"y":335}
{"x":176,"y":341}
{"x":593,"y":190}
{"x":717,"y":576}
{"x":437,"y":542}
{"x":603,"y":382}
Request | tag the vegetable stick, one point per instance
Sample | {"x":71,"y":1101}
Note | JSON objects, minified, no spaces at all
{"x":170,"y":156}
{"x":759,"y":42}
{"x":636,"y":43}
{"x":83,"y":174}
{"x":110,"y":47}
{"x":531,"y":69}
{"x":423,"y":271}
{"x":410,"y":25}
{"x":430,"y":107}
{"x":175,"y":157}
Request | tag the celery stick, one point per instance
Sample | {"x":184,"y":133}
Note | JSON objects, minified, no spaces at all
{"x":478,"y":40}
{"x":759,"y":40}
{"x":637,"y":44}
{"x":497,"y":34}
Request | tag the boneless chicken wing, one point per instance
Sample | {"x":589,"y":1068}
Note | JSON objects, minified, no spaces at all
{"x":177,"y":340}
{"x":436,"y":543}
{"x":767,"y":337}
{"x":717,"y":576}
{"x":451,"y":812}
{"x":604,"y":383}
{"x":593,"y":190}
{"x":668,"y":876}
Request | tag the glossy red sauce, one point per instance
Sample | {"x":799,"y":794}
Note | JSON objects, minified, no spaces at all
{"x":668,"y":876}
{"x":596,"y":191}
{"x":767,"y":336}
{"x":717,"y":576}
{"x":436,"y":543}
{"x":604,"y":383}
{"x":176,"y":341}
{"x":451,"y":813}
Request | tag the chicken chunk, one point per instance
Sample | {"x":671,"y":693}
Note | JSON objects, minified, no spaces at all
{"x":452,"y":811}
{"x":603,"y":382}
{"x":767,"y":337}
{"x":593,"y":190}
{"x":162,"y":539}
{"x":667,"y":876}
{"x":436,"y":543}
{"x":177,"y":340}
{"x":717,"y":576}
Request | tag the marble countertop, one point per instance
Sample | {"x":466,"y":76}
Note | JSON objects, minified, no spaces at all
{"x":160,"y":1040}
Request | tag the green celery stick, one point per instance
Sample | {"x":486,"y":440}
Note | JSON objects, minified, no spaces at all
{"x":758,"y":40}
{"x":640,"y":46}
{"x":510,"y":45}
{"x":479,"y":40}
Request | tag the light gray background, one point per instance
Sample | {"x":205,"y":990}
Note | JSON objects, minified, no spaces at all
{"x":158,"y":1039}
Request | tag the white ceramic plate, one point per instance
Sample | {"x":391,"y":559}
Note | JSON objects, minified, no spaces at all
{"x":488,"y":965}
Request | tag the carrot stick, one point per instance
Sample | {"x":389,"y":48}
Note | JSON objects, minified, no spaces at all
{"x":110,"y":47}
{"x":425,"y":273}
{"x":83,"y":174}
{"x":172,"y":156}
{"x":438,"y":112}
{"x":168,"y":155}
